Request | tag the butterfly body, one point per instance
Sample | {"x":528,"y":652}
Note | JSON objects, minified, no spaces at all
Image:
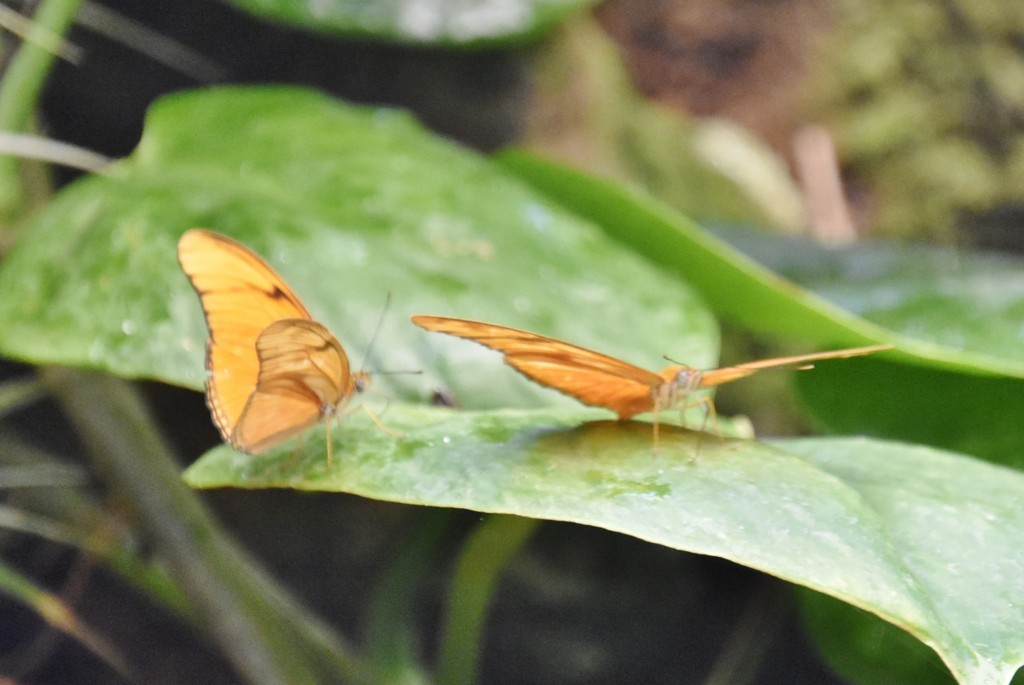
{"x":271,"y":370}
{"x":600,"y":380}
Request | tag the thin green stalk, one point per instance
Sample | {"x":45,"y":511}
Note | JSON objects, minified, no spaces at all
{"x":18,"y":393}
{"x":739,"y":661}
{"x":489,"y":549}
{"x":148,"y":578}
{"x":56,"y":613}
{"x":19,"y":92}
{"x":390,"y":625}
{"x":261,"y":630}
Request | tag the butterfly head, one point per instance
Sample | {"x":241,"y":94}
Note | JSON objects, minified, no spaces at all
{"x":680,"y":381}
{"x":360,"y":381}
{"x":683,"y":378}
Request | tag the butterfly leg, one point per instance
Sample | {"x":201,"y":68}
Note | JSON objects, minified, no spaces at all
{"x":327,"y":430}
{"x":709,"y":413}
{"x":376,"y":420}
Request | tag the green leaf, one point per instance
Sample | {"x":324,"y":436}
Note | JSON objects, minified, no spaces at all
{"x":348,"y":204}
{"x":735,"y":286}
{"x":485,"y":555}
{"x":972,"y":414}
{"x":927,"y":540}
{"x":447,"y":22}
{"x":955,"y":298}
{"x":963,"y":300}
{"x":390,"y":624}
{"x":955,"y":524}
{"x":866,"y":650}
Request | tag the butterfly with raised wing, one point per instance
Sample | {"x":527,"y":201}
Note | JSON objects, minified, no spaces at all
{"x":271,"y":370}
{"x":603,"y":381}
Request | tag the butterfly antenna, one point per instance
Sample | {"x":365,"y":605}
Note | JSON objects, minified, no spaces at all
{"x":670,"y":359}
{"x":376,"y":332}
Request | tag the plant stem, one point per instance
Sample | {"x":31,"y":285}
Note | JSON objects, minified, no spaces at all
{"x":18,"y":393}
{"x":261,"y":630}
{"x":390,"y":625}
{"x":19,"y":95}
{"x":56,"y":613}
{"x":483,"y":558}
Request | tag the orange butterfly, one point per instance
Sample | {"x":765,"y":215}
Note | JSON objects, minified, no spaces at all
{"x":271,"y":370}
{"x":602,"y":381}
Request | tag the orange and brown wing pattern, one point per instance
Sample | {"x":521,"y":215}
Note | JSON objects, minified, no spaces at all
{"x":241,"y":296}
{"x":591,"y":377}
{"x":304,"y":375}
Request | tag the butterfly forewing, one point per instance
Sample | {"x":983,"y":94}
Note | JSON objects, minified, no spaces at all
{"x":591,"y":377}
{"x":241,"y":295}
{"x":727,"y":374}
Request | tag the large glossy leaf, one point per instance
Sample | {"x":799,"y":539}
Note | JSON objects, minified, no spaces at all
{"x":956,"y":298}
{"x":349,"y":204}
{"x":447,"y":22}
{"x":738,"y":287}
{"x":962,"y":300}
{"x":928,"y":540}
{"x":977,"y":415}
{"x":956,"y":525}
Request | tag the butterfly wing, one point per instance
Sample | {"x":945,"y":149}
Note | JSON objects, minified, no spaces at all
{"x":591,"y":377}
{"x":241,"y":296}
{"x":303,"y":375}
{"x":727,"y":374}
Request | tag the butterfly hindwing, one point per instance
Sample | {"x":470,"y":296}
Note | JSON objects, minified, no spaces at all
{"x":591,"y":377}
{"x":304,"y":354}
{"x":304,"y":375}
